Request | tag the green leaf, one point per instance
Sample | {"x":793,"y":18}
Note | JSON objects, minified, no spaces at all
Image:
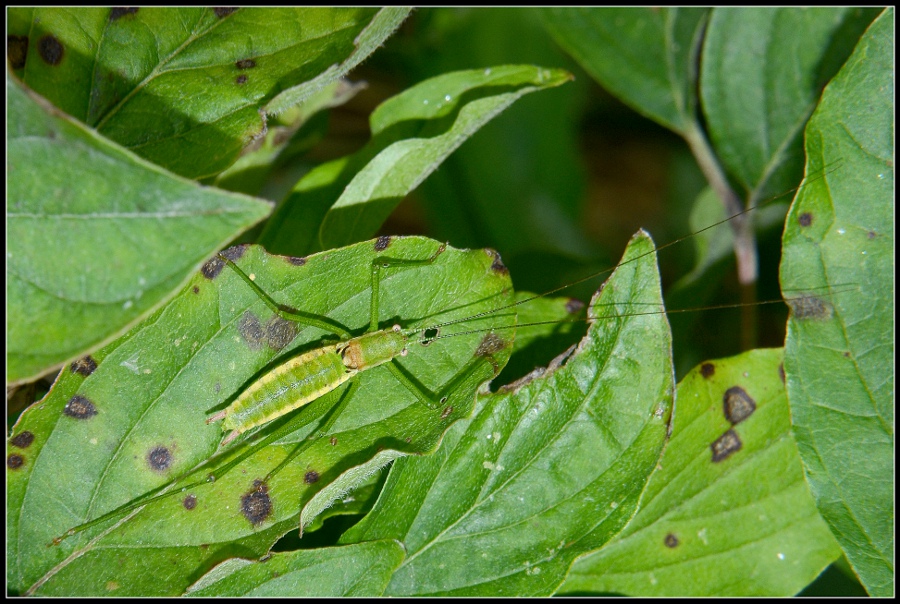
{"x":412,"y":133}
{"x":544,"y":472}
{"x":360,"y":570}
{"x":839,"y":352}
{"x":133,"y":418}
{"x":97,"y":237}
{"x":750,"y":509}
{"x":646,"y":57}
{"x":188,"y":88}
{"x":762,"y":72}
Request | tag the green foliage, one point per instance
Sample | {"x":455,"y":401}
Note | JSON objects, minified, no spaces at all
{"x":593,"y":475}
{"x":752,"y":504}
{"x":838,"y":234}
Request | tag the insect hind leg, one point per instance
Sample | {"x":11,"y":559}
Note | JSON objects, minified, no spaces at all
{"x":320,"y":432}
{"x":439,"y":401}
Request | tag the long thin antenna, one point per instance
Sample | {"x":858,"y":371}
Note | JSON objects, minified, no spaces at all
{"x":658,"y":249}
{"x":798,"y":302}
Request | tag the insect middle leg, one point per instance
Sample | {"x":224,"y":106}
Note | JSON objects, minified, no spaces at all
{"x":382,"y":263}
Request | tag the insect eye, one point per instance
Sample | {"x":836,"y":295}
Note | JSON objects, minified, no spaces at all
{"x":429,"y":335}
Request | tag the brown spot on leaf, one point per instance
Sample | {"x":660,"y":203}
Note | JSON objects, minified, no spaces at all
{"x":189,"y":502}
{"x":159,"y":459}
{"x":51,"y":50}
{"x":240,"y":80}
{"x":725,"y":445}
{"x":251,"y":330}
{"x":491,"y":343}
{"x":235,"y":252}
{"x":223,"y":11}
{"x":195,"y":289}
{"x":212,"y":268}
{"x":871,"y":234}
{"x":280,"y":332}
{"x":296,"y":261}
{"x":446,"y":412}
{"x":22,"y":440}
{"x":497,"y":265}
{"x":79,"y":407}
{"x":118,"y":12}
{"x":245,"y":64}
{"x":781,"y":372}
{"x":809,"y":307}
{"x":14,"y":461}
{"x":574,"y":305}
{"x":707,"y":370}
{"x":256,"y":505}
{"x":671,"y":541}
{"x":84,"y":366}
{"x":737,"y":405}
{"x":311,"y":477}
{"x":382,"y":243}
{"x":17,"y":51}
{"x":805,"y":219}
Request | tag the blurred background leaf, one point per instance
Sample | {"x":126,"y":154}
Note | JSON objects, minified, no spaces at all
{"x":97,"y":237}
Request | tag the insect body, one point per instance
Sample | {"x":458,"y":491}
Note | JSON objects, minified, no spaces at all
{"x":305,"y":378}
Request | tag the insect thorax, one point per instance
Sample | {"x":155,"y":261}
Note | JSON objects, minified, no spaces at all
{"x":372,"y":349}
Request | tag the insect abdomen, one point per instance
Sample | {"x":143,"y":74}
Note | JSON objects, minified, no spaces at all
{"x":290,"y":385}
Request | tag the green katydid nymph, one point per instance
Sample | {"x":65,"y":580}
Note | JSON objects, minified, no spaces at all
{"x":305,"y":378}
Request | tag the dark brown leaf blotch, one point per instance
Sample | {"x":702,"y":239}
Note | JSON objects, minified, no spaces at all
{"x":118,"y":12}
{"x":382,"y":243}
{"x":79,"y":407}
{"x":256,"y":505}
{"x":22,"y":440}
{"x":51,"y":50}
{"x":17,"y":51}
{"x":14,"y":461}
{"x":737,"y":405}
{"x":84,"y":366}
{"x":725,"y":445}
{"x":159,"y":459}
